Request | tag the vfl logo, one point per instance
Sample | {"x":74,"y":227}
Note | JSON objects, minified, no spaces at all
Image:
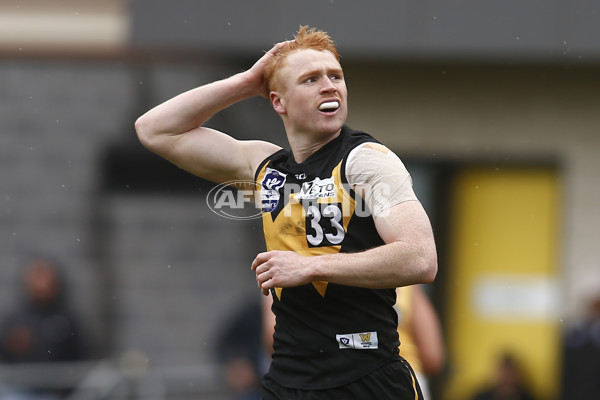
{"x":273,"y":179}
{"x":270,"y":185}
{"x":358,"y":341}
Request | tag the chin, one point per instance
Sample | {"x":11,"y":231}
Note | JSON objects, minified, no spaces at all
{"x":335,"y":129}
{"x":331,"y":126}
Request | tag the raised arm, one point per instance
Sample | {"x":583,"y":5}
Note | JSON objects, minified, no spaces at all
{"x":174,"y":128}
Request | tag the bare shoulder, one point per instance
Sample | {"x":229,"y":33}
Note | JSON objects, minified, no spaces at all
{"x":257,"y":151}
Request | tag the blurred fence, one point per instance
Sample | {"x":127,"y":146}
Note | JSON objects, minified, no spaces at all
{"x":110,"y":380}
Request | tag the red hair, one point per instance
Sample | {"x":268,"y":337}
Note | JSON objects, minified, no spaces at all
{"x":306,"y":38}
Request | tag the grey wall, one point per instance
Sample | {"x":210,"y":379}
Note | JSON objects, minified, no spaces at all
{"x":56,"y":119}
{"x":509,"y":30}
{"x":150,"y":268}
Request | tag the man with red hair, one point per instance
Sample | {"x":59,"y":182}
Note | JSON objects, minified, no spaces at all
{"x":342,"y":225}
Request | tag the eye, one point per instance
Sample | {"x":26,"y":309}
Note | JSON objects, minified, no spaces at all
{"x":336,"y":75}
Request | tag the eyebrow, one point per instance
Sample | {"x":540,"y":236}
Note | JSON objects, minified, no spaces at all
{"x":336,"y":70}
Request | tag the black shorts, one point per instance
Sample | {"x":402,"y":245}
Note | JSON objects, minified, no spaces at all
{"x":395,"y":381}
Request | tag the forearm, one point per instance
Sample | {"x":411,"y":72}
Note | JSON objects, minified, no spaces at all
{"x":427,"y":333}
{"x":388,"y":266}
{"x":193,"y":108}
{"x":408,"y":257}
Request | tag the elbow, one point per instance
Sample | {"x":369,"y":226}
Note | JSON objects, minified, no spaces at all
{"x":145,"y":133}
{"x":142,"y":130}
{"x":428,"y":268}
{"x":429,"y":262}
{"x":430,"y":274}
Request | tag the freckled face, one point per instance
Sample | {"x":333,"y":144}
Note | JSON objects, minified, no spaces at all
{"x":312,"y":95}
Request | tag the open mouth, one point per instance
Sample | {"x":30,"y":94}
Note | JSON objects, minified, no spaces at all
{"x":329,"y":106}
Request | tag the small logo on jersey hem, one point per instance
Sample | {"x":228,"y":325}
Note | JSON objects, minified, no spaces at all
{"x":358,"y":341}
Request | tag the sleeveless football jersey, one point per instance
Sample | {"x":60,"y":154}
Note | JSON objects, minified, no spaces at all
{"x":326,"y":334}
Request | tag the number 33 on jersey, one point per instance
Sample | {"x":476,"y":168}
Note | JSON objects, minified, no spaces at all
{"x":309,"y":208}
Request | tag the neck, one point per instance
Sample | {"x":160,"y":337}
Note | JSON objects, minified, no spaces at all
{"x":303,"y":146}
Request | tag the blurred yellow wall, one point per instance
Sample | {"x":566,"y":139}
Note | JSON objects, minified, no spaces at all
{"x":503,"y":292}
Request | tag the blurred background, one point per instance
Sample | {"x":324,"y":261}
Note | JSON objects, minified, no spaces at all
{"x":492,"y":105}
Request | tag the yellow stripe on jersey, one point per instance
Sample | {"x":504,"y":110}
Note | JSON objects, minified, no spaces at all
{"x":288,"y":230}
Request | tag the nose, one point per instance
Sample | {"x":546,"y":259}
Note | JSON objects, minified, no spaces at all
{"x":328,"y":86}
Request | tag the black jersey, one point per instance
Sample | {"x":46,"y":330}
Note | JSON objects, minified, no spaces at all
{"x":326,"y":334}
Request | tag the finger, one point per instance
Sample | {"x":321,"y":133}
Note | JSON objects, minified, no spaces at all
{"x":262,"y":258}
{"x":259,"y":259}
{"x":273,"y":51}
{"x":279,"y":45}
{"x":262,"y":276}
{"x":265,"y":285}
{"x":259,"y":284}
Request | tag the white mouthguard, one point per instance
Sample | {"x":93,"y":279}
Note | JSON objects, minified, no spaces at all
{"x":329,"y":105}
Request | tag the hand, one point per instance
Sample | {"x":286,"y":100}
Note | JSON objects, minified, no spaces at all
{"x":281,"y":269}
{"x":255,"y":73}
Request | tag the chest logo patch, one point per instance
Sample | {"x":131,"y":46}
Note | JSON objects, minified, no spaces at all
{"x":269,"y":189}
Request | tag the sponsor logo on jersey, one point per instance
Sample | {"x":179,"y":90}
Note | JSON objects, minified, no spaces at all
{"x":358,"y":341}
{"x":317,"y":189}
{"x":270,"y":185}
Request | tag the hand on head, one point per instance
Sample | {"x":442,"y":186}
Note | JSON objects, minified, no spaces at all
{"x":256,"y":72}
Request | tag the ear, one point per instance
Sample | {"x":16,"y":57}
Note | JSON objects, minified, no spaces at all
{"x":277,"y":102}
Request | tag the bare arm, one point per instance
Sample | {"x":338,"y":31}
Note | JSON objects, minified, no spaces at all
{"x":174,"y":128}
{"x":268,"y":323}
{"x":427,"y":333}
{"x":408,"y":257}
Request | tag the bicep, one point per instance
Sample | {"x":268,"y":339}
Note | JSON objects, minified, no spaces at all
{"x":216,"y":156}
{"x":407,"y":222}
